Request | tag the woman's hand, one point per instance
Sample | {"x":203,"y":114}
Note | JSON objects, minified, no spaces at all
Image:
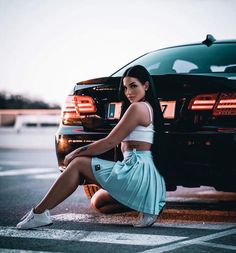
{"x":71,"y":156}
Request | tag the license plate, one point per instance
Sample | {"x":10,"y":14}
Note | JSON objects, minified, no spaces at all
{"x":114,"y":110}
{"x":168,"y":109}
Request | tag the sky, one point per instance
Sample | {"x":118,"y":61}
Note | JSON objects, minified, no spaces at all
{"x":46,"y":46}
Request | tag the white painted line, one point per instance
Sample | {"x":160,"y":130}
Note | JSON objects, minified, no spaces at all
{"x":217,"y":245}
{"x":182,"y":244}
{"x":94,"y":236}
{"x":128,"y":218}
{"x":27,"y":171}
{"x":130,"y":239}
{"x":43,"y":233}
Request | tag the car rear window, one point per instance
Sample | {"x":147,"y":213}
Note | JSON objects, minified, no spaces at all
{"x":219,"y":57}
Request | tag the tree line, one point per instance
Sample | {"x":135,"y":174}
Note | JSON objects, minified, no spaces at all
{"x":16,"y":101}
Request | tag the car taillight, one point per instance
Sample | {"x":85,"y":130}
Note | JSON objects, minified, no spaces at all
{"x":203,"y":102}
{"x":76,"y":106}
{"x":226,"y":105}
{"x":220,"y":104}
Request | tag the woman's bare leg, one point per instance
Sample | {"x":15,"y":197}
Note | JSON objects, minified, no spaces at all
{"x":67,"y":183}
{"x":104,"y":203}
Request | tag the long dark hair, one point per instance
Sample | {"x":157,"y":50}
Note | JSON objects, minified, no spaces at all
{"x":151,"y":97}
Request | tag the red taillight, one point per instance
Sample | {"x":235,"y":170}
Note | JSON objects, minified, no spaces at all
{"x":85,"y":104}
{"x":203,"y":102}
{"x":77,"y":105}
{"x":220,"y":104}
{"x":226,"y":105}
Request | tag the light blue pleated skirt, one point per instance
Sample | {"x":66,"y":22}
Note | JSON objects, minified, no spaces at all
{"x":135,"y":182}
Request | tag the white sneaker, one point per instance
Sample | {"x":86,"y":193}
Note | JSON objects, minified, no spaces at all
{"x":34,"y":220}
{"x":145,"y":220}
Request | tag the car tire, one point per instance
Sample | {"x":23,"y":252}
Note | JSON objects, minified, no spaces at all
{"x":90,"y":189}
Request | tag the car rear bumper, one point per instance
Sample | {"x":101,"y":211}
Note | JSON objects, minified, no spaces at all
{"x":213,"y":146}
{"x":206,"y":147}
{"x":201,"y":158}
{"x":194,"y":158}
{"x":68,"y":139}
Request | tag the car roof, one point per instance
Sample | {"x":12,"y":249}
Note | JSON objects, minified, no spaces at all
{"x":197,"y":44}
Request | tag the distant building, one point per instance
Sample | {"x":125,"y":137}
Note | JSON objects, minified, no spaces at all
{"x":29,"y":117}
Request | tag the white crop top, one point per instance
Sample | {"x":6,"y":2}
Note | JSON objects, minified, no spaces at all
{"x":142,"y":133}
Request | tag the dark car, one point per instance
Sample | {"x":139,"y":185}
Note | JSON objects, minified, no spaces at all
{"x":196,"y":89}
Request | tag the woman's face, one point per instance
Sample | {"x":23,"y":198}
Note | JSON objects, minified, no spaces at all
{"x":134,"y":90}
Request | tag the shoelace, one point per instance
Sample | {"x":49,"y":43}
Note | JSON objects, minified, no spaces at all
{"x":25,"y":215}
{"x":47,"y":213}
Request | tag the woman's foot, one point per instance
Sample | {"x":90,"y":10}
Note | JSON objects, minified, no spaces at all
{"x":145,"y":220}
{"x":34,"y":220}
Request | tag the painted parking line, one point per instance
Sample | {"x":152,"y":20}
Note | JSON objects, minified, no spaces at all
{"x":217,"y":245}
{"x":130,"y":239}
{"x":28,"y":171}
{"x":93,"y":236}
{"x":199,"y":240}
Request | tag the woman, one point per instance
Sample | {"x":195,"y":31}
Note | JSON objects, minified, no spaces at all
{"x":133,"y":183}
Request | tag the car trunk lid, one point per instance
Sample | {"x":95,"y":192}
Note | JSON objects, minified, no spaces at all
{"x":175,"y":93}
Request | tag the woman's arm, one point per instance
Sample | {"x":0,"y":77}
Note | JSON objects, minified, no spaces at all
{"x":92,"y":149}
{"x":135,"y":115}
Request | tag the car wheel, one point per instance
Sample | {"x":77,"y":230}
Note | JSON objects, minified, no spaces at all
{"x":90,"y":189}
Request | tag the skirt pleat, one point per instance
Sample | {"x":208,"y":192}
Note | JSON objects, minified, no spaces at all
{"x":134,"y":182}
